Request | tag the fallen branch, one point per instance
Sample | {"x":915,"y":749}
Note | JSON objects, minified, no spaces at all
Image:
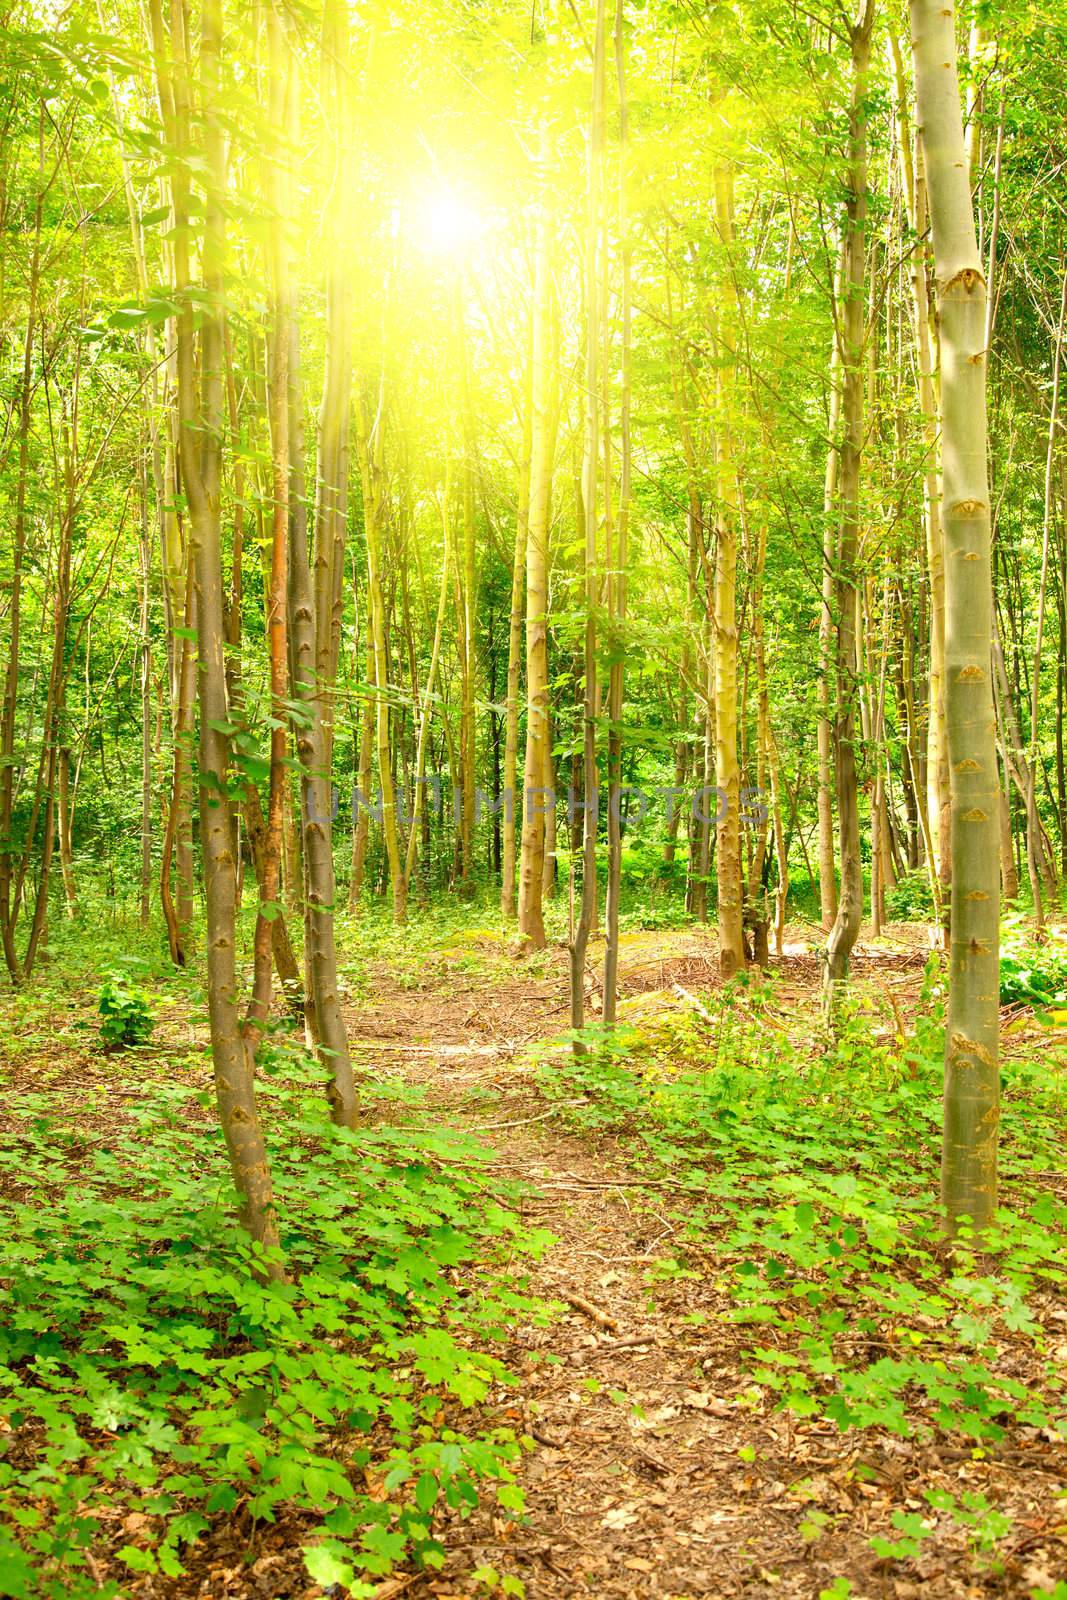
{"x":603,"y":1319}
{"x":524,"y":1122}
{"x":692,"y":1000}
{"x":607,"y":1346}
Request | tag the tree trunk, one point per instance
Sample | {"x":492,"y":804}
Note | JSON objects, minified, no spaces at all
{"x":513,"y":802}
{"x":8,"y":720}
{"x":361,"y":819}
{"x":727,"y":775}
{"x":369,"y":447}
{"x":582,"y":928}
{"x":846,"y":926}
{"x":200,"y":406}
{"x":1042,"y":593}
{"x":617,"y":578}
{"x":66,"y":843}
{"x":426,"y":709}
{"x":542,"y":455}
{"x":913,"y":182}
{"x":316,"y":789}
{"x":971,"y":1107}
{"x":825,"y":797}
{"x":182,"y":723}
{"x":144,"y":625}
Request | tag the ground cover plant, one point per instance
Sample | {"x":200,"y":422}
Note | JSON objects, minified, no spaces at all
{"x":157,"y":1390}
{"x":146,"y":1360}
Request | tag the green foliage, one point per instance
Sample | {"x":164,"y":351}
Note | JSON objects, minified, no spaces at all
{"x":807,"y":1178}
{"x":143,"y":1357}
{"x":1032,"y":974}
{"x":126,"y":1013}
{"x":911,"y":899}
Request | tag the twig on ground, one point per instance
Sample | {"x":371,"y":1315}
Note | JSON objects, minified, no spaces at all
{"x":692,"y":1000}
{"x":608,"y":1346}
{"x":603,"y":1319}
{"x":524,"y":1122}
{"x":652,"y":1461}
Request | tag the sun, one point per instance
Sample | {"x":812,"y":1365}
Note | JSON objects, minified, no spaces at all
{"x":446,"y":222}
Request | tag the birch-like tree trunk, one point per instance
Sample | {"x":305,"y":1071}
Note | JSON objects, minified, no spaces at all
{"x":971,"y":1106}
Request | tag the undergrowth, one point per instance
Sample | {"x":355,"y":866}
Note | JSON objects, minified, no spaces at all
{"x":801,"y":1180}
{"x":143,"y":1359}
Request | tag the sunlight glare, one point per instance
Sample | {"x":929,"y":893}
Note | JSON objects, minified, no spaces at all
{"x":448,"y":224}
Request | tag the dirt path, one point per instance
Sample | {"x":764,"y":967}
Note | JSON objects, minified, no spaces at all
{"x":657,"y":1472}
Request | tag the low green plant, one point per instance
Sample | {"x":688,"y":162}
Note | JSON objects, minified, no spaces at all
{"x":126,"y":1017}
{"x":910,"y":899}
{"x":1032,"y":974}
{"x":142,"y":1356}
{"x":805,"y":1180}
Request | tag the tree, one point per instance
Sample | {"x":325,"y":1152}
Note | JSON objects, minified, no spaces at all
{"x":845,"y":931}
{"x":972,"y":1076}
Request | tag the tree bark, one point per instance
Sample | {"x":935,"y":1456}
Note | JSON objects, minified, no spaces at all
{"x":542,"y":456}
{"x":617,"y":578}
{"x":971,"y":1106}
{"x":845,"y":930}
{"x":512,"y":801}
{"x":200,"y":408}
{"x":727,"y":775}
{"x":8,"y":910}
{"x":582,"y":927}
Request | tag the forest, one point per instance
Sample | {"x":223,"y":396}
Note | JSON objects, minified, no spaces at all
{"x":533,"y":799}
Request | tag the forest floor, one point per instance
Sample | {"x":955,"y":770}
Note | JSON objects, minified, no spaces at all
{"x":661,"y":1461}
{"x":657,"y":1473}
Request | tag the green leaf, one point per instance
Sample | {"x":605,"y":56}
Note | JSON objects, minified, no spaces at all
{"x":327,"y":1566}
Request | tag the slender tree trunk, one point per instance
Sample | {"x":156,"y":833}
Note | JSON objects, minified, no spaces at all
{"x":66,"y":842}
{"x":52,"y":731}
{"x":9,"y":717}
{"x":1042,"y":596}
{"x":548,"y":869}
{"x":579,"y":940}
{"x":704,"y":811}
{"x":512,"y":801}
{"x":617,"y":579}
{"x":144,"y":622}
{"x":361,"y":821}
{"x":542,"y":455}
{"x":913,"y":182}
{"x":846,"y":926}
{"x":200,"y":405}
{"x":781,"y":848}
{"x":282,"y":114}
{"x":426,"y":709}
{"x":727,"y":774}
{"x":831,"y":531}
{"x":969,"y":1151}
{"x":311,"y":606}
{"x":369,"y":446}
{"x":184,"y":704}
{"x":316,"y":788}
{"x":466,"y":573}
